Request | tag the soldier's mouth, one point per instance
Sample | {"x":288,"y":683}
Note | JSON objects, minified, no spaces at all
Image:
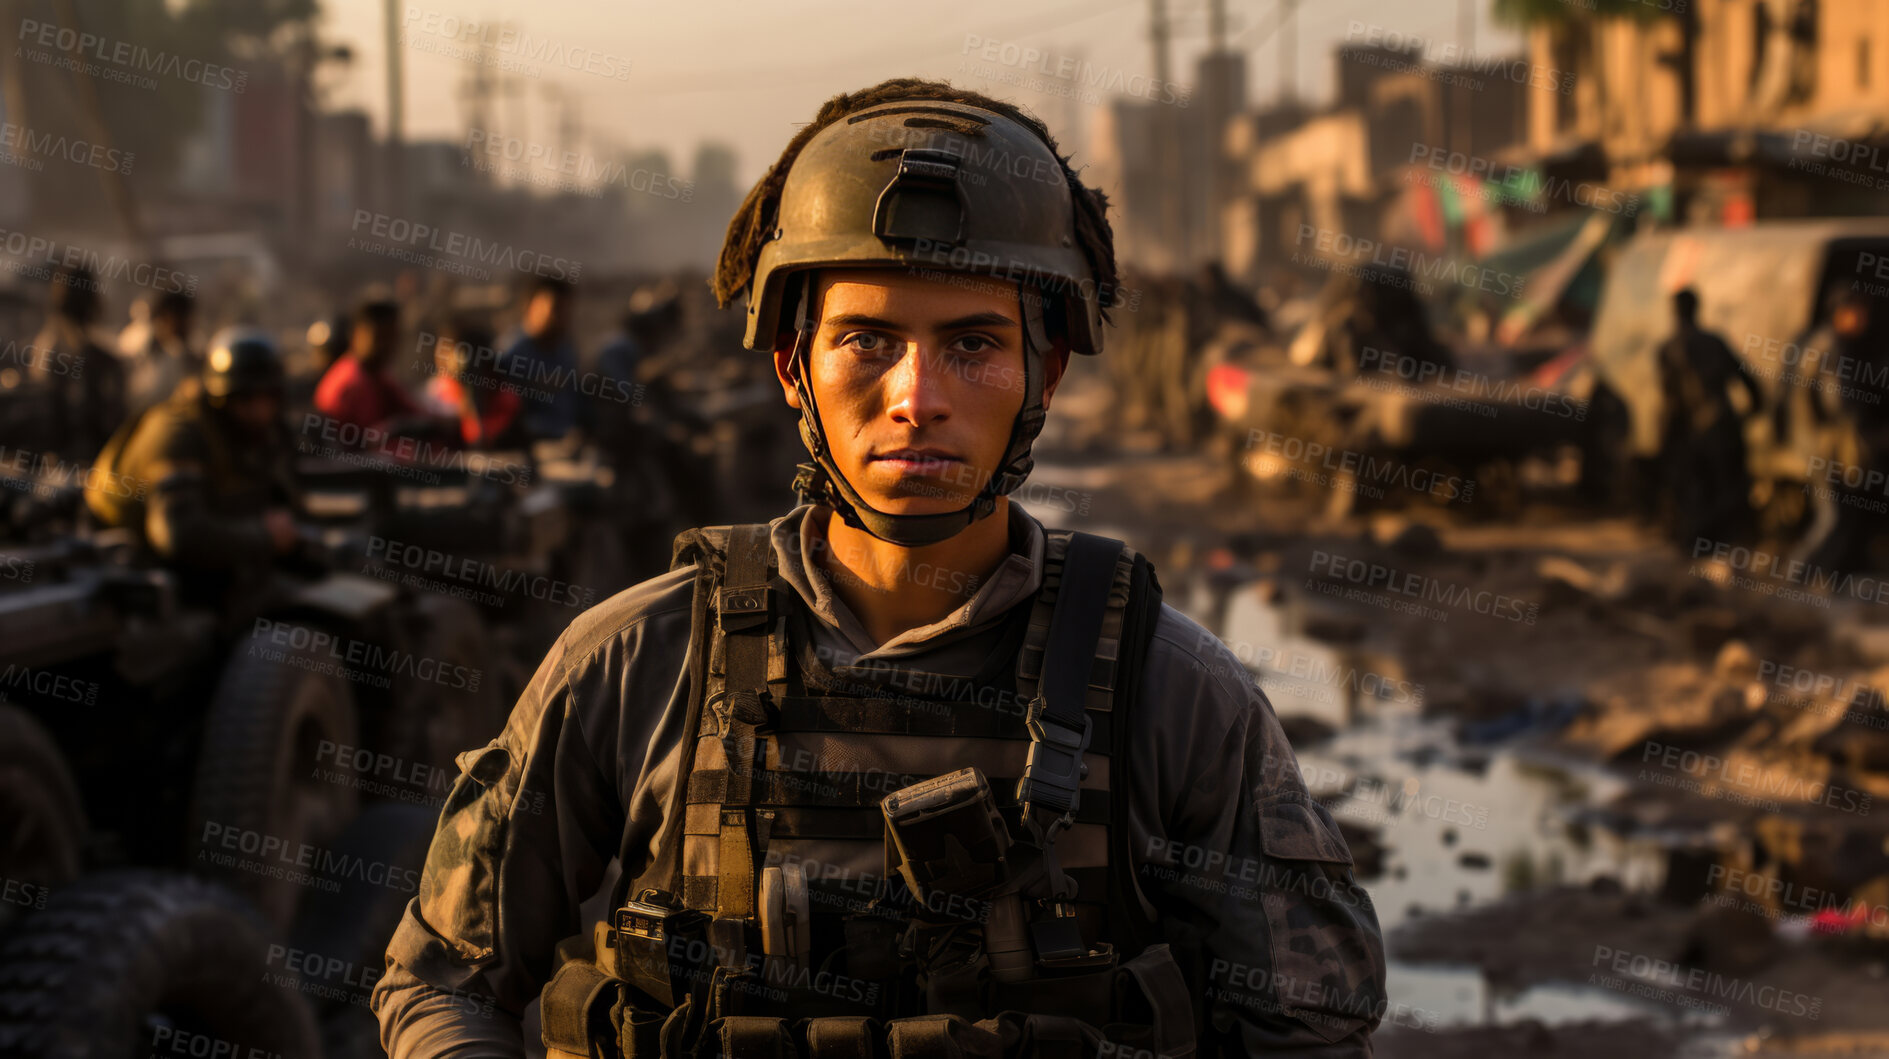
{"x":918,"y":461}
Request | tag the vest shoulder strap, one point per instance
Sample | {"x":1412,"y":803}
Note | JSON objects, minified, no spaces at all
{"x":1130,"y":925}
{"x":707,"y":548}
{"x":1093,"y":653}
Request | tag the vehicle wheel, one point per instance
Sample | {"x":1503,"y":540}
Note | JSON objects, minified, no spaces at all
{"x":349,"y":928}
{"x":129,"y":963}
{"x":42,"y":820}
{"x":262,"y":794}
{"x":434,"y":720}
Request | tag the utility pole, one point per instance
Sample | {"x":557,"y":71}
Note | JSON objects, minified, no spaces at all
{"x":1158,"y":36}
{"x":1288,"y":50}
{"x":1170,"y":143}
{"x":396,"y":114}
{"x":1461,"y":113}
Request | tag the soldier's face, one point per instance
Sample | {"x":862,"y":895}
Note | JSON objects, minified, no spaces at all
{"x":917,"y":384}
{"x":256,"y":413}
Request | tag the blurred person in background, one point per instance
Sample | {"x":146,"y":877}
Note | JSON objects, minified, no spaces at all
{"x":543,"y":358}
{"x":1702,"y":436}
{"x":1851,"y":431}
{"x":358,"y":388}
{"x":326,"y":342}
{"x":164,"y":357}
{"x":467,"y":388}
{"x":620,"y":417}
{"x":83,"y":383}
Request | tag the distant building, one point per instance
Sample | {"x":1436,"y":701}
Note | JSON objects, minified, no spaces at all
{"x":1399,"y":125}
{"x":1160,"y":155}
{"x":1733,"y":110}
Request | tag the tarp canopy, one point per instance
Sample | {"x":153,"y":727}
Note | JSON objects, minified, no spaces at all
{"x":1569,"y":272}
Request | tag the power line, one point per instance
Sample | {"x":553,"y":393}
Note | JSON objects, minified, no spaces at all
{"x":718,"y":81}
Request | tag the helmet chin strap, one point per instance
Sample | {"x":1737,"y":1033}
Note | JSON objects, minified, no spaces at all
{"x":822,"y":481}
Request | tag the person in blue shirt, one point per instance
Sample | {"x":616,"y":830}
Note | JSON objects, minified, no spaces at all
{"x":542,"y":359}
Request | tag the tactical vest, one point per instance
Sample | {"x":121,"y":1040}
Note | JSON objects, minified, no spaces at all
{"x":870,"y":861}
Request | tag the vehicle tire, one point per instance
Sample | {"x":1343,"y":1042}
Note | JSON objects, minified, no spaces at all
{"x":431,"y":722}
{"x":42,"y":819}
{"x":126,"y":963}
{"x":262,"y":794}
{"x":350,"y":927}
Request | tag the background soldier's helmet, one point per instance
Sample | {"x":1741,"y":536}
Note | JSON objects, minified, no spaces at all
{"x":242,"y":360}
{"x":932,"y":186}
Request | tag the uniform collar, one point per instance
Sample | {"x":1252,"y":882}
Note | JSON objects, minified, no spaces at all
{"x":797,"y":534}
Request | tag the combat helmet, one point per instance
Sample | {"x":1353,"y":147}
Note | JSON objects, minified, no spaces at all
{"x":938,"y":180}
{"x":242,"y":360}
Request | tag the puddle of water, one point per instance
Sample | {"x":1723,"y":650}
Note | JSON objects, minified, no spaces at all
{"x":1456,"y":996}
{"x":1459,"y":828}
{"x":1456,"y":837}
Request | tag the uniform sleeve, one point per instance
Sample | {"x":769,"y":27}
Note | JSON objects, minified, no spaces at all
{"x":531,"y":817}
{"x":178,"y":521}
{"x":1251,"y":879}
{"x":525,"y":837}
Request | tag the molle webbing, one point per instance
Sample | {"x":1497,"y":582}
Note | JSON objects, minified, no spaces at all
{"x":792,"y":758}
{"x":749,"y":618}
{"x":841,"y":740}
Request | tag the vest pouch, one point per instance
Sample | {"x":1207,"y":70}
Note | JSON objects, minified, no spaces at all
{"x":941,"y":1037}
{"x":1043,"y":1036}
{"x":751,"y":1037}
{"x":680,"y":1029}
{"x":1151,"y":1008}
{"x":639,"y":1030}
{"x":957,"y":984}
{"x":577,"y":1008}
{"x":661,"y":951}
{"x":733,"y":992}
{"x":872,"y":946}
{"x":1081,"y":996}
{"x":843,"y":1037}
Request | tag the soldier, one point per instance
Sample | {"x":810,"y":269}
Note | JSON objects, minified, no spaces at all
{"x":1850,"y":432}
{"x":1127,"y":855}
{"x":200,"y":479}
{"x":1703,"y":437}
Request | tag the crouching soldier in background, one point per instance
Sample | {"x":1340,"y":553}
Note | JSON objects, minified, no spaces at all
{"x":201,"y":480}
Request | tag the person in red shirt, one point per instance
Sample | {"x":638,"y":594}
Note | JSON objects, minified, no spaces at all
{"x":358,"y":388}
{"x":469,"y":389}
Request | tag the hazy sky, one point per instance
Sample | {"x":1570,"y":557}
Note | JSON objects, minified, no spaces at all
{"x":749,"y":72}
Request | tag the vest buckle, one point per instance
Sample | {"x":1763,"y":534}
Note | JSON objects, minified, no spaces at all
{"x":744,"y":607}
{"x":1052,"y":774}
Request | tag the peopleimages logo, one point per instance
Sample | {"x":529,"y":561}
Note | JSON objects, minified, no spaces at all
{"x":510,"y":41}
{"x":126,"y":60}
{"x":1077,"y":73}
{"x":411,"y":235}
{"x":1344,"y":249}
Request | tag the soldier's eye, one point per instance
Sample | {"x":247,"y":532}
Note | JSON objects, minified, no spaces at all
{"x":867,"y":342}
{"x":976,"y":344}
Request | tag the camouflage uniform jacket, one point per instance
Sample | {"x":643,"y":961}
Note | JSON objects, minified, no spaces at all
{"x":1250,"y":878}
{"x":191,"y":489}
